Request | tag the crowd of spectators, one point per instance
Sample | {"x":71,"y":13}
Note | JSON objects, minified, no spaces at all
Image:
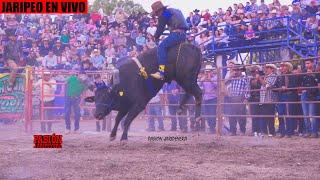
{"x":88,"y":42}
{"x":244,"y":24}
{"x":92,"y":41}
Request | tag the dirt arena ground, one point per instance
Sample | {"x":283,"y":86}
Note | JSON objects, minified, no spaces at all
{"x":90,"y":155}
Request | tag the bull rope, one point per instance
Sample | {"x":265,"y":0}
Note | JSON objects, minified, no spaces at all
{"x":178,"y":55}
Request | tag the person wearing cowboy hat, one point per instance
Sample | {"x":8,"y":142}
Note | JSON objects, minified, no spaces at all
{"x":177,"y":24}
{"x":237,"y":93}
{"x":196,"y":19}
{"x":286,"y":85}
{"x":255,"y":85}
{"x":267,"y":99}
{"x":48,"y":85}
{"x":209,"y":85}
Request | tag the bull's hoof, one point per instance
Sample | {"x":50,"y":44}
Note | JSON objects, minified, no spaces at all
{"x":112,"y":138}
{"x":123,"y":142}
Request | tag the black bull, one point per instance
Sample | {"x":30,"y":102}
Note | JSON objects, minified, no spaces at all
{"x":132,"y":94}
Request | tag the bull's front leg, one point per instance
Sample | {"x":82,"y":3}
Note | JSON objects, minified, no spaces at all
{"x":133,"y":113}
{"x":119,"y":116}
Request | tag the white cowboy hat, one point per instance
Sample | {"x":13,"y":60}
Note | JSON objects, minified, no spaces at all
{"x":273,"y":66}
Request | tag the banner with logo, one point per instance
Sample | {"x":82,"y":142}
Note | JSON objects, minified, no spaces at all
{"x":12,"y":100}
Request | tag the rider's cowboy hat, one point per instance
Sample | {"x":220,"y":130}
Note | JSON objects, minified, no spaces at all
{"x":156,"y":7}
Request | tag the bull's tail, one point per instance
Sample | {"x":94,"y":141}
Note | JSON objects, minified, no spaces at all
{"x":200,"y":60}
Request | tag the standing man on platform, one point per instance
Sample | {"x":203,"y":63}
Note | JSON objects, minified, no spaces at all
{"x":12,"y":54}
{"x":48,"y":86}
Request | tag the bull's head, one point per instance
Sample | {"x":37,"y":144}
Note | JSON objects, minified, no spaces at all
{"x":104,"y":100}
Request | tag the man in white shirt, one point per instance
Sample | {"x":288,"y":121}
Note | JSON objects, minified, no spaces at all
{"x":50,"y":61}
{"x":47,"y":87}
{"x":152,"y":28}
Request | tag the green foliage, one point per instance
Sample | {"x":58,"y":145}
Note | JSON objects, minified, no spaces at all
{"x":109,"y":5}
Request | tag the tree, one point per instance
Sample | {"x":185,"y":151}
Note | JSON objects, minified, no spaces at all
{"x":109,"y":5}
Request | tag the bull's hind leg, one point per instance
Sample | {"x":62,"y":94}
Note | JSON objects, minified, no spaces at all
{"x":182,"y":105}
{"x":194,"y":89}
{"x":119,"y":116}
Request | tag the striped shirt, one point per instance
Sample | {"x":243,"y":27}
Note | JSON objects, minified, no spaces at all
{"x":238,"y":87}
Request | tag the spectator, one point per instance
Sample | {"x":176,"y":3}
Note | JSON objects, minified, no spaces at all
{"x":12,"y":55}
{"x":196,"y":18}
{"x":155,"y":112}
{"x":263,"y":7}
{"x":65,"y":38}
{"x":250,"y":34}
{"x":122,"y":52}
{"x":286,"y":85}
{"x":209,"y":86}
{"x":121,"y":16}
{"x":45,"y":47}
{"x":48,"y":87}
{"x":312,"y":9}
{"x":255,"y":107}
{"x":253,"y":7}
{"x":267,"y":99}
{"x":173,"y":99}
{"x":140,"y":41}
{"x":310,"y":80}
{"x":58,"y":48}
{"x":50,"y":61}
{"x":150,"y":42}
{"x":97,"y":59}
{"x":152,"y":28}
{"x":206,"y":15}
{"x":190,"y":19}
{"x":121,"y":39}
{"x":237,"y":92}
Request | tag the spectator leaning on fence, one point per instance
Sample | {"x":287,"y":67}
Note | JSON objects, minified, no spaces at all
{"x":209,"y":85}
{"x":237,"y":93}
{"x":286,"y":85}
{"x":255,"y":107}
{"x":309,"y":85}
{"x":267,"y":99}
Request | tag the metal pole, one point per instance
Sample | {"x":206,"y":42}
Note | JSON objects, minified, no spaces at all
{"x":26,"y":100}
{"x":219,"y":101}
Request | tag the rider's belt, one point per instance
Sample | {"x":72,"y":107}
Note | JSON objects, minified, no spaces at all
{"x":142,"y":71}
{"x":178,"y":30}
